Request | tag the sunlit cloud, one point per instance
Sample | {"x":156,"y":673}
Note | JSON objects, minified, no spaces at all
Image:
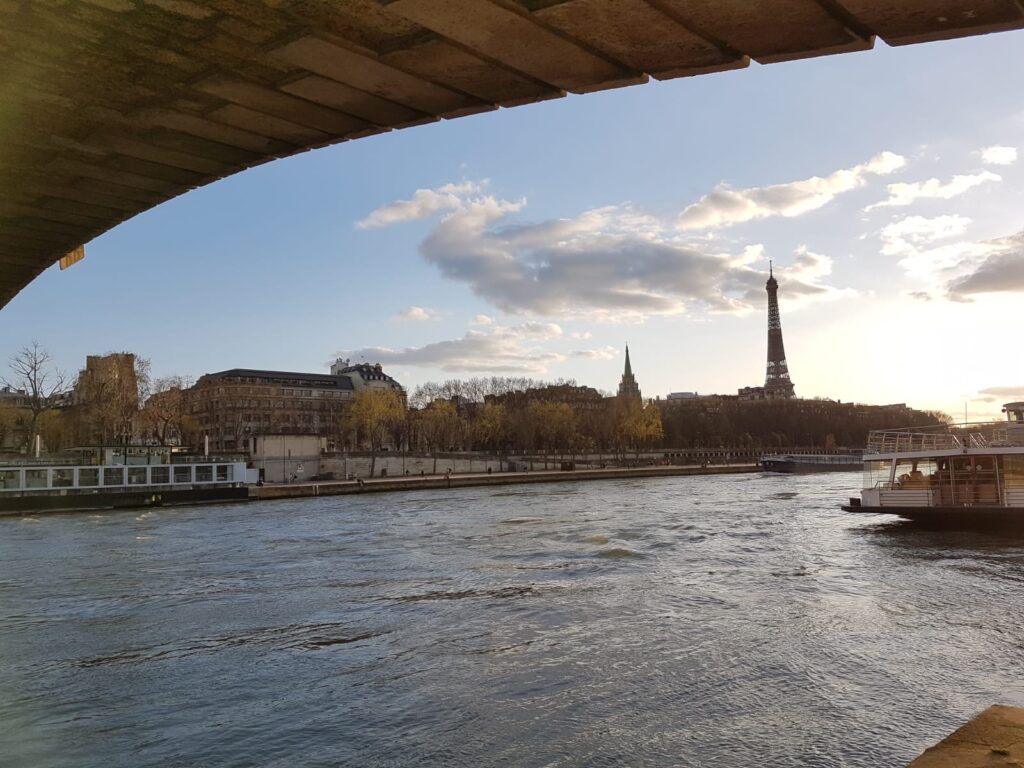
{"x":906,"y":193}
{"x":909,"y":234}
{"x":424,"y":203}
{"x":416,"y":314}
{"x":726,"y":206}
{"x":497,"y":349}
{"x":999,"y":155}
{"x":614,"y":263}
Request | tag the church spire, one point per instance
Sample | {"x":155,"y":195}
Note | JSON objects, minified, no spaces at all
{"x":628,"y":388}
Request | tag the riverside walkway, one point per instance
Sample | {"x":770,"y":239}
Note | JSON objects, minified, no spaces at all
{"x":469,"y":480}
{"x":993,"y":738}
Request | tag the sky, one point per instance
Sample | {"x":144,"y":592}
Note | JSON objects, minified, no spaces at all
{"x":885,"y":186}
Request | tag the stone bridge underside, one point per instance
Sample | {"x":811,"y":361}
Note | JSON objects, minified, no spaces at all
{"x":108,"y":107}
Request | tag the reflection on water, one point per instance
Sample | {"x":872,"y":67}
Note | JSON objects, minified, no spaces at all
{"x":726,"y":621}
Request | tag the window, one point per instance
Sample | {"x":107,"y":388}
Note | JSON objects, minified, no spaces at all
{"x":10,"y":478}
{"x":160,"y":475}
{"x":63,"y":478}
{"x":136,"y":476}
{"x":35,"y":478}
{"x":89,"y":477}
{"x":183,"y":474}
{"x":204,"y":474}
{"x":224,"y":473}
{"x":113,"y":475}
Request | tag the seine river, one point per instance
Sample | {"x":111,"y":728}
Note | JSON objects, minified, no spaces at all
{"x":705,"y":621}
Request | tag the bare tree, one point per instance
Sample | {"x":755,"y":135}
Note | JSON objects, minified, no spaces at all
{"x":33,"y":373}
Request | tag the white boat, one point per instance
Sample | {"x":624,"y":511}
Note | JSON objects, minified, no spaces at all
{"x":970,"y":470}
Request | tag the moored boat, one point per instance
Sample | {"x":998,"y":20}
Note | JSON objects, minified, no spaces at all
{"x":972,"y":470}
{"x":40,"y":487}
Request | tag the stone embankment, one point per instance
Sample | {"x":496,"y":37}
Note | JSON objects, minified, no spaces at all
{"x":412,"y":483}
{"x":993,"y":738}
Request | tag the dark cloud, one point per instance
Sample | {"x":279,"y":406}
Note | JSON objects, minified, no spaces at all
{"x":1001,"y":272}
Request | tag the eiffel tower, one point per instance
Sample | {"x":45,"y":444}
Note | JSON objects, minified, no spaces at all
{"x":776,"y":381}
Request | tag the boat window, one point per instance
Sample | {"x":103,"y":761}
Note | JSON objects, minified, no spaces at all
{"x":160,"y":475}
{"x":89,"y":477}
{"x":35,"y":478}
{"x":916,"y":473}
{"x":1013,"y":470}
{"x":63,"y":478}
{"x":204,"y":474}
{"x":876,"y":472}
{"x":113,"y":476}
{"x":10,"y":478}
{"x":183,"y":474}
{"x":136,"y":476}
{"x":223,"y":473}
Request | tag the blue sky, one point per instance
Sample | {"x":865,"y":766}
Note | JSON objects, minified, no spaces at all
{"x":545,"y":237}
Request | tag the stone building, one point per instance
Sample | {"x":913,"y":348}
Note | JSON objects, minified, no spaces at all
{"x":366,"y":376}
{"x":232,"y":407}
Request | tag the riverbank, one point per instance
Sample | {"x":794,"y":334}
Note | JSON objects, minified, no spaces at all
{"x":414,"y":483}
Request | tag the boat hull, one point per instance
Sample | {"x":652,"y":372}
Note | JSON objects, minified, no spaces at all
{"x":941,"y":514}
{"x":81,"y":502}
{"x":791,"y":467}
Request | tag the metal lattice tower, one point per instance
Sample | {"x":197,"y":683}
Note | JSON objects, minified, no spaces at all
{"x":776,"y":381}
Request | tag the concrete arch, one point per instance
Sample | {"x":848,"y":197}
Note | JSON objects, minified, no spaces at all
{"x":110,"y":107}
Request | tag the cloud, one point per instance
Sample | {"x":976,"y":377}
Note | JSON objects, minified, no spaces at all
{"x":483,"y":320}
{"x":498,"y":349}
{"x":416,"y":314}
{"x":611,"y":263}
{"x":424,"y":203}
{"x":1011,"y":391}
{"x":999,"y":155}
{"x":1001,"y":270}
{"x":726,"y":206}
{"x":920,"y":295}
{"x":908,"y":235}
{"x":905,"y":193}
{"x":602,"y":353}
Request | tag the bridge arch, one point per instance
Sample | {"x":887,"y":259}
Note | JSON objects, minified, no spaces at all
{"x":110,"y":107}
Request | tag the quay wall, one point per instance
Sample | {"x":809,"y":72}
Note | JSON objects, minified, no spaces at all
{"x":338,"y":466}
{"x":412,"y":483}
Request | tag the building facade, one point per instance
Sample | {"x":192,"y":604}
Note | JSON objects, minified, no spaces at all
{"x":232,"y":407}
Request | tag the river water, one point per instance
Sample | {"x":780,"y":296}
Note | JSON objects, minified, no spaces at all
{"x":705,"y":621}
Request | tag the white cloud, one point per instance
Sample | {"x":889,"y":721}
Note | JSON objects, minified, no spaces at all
{"x":424,"y":203}
{"x":497,"y":349}
{"x":483,"y":320}
{"x":610,"y":263}
{"x":906,"y":236}
{"x":602,"y":353}
{"x":416,"y":314}
{"x":999,"y":155}
{"x":906,"y":193}
{"x":726,"y":206}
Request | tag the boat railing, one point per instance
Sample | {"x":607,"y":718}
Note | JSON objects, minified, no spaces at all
{"x":945,"y":437}
{"x":899,"y":440}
